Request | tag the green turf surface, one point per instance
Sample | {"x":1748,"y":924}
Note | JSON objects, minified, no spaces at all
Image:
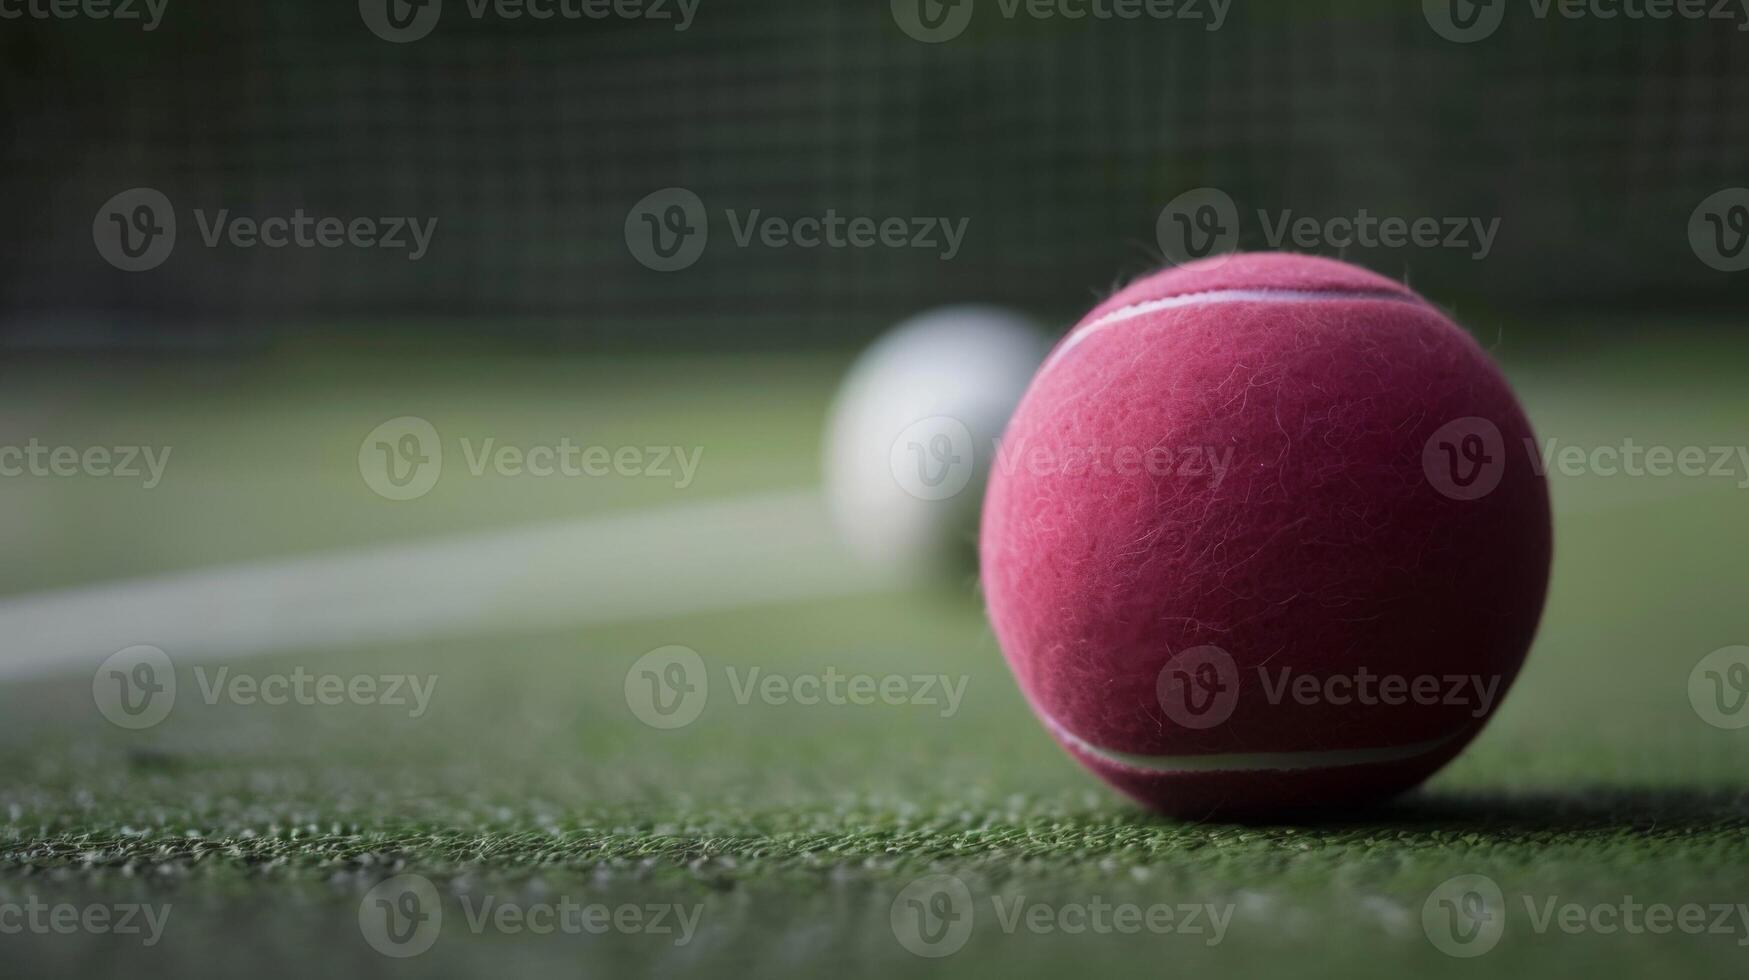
{"x":788,"y":829}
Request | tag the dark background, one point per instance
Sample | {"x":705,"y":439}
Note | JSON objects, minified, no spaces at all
{"x":1592,"y":140}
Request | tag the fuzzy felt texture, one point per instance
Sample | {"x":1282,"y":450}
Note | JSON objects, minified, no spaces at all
{"x":1249,"y":474}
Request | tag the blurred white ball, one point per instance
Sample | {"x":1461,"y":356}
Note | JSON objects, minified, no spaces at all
{"x":913,"y":433}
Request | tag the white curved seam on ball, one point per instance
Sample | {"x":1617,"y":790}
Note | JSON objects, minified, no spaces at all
{"x":1249,"y":761}
{"x":1214,"y":297}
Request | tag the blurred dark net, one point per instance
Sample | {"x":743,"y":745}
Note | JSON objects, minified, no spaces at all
{"x":1059,"y":141}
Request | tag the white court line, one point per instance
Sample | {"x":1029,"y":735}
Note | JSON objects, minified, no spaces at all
{"x":669,"y":561}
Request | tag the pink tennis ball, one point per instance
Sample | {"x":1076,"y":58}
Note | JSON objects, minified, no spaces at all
{"x":1265,"y":533}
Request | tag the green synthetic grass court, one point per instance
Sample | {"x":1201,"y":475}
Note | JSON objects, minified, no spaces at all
{"x":790,"y":829}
